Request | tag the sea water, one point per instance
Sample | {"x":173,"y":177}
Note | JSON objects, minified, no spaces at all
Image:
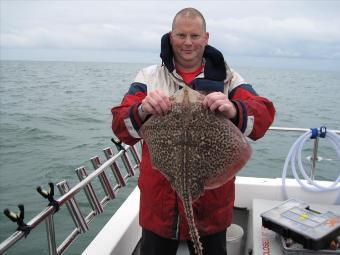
{"x":55,"y":116}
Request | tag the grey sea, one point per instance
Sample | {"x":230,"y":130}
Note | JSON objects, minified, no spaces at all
{"x":55,"y":116}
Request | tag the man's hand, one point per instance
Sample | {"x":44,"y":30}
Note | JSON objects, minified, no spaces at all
{"x":156,"y":103}
{"x":219,"y":101}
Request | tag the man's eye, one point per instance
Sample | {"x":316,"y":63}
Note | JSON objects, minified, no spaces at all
{"x":195,"y":37}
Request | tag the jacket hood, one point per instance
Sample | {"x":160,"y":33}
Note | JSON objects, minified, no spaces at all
{"x":214,"y":68}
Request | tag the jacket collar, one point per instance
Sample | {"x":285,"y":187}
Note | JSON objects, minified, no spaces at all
{"x":214,"y":68}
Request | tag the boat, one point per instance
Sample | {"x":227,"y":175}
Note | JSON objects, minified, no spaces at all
{"x":254,"y":197}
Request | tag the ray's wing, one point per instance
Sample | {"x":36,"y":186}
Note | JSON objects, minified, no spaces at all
{"x":217,"y":150}
{"x":164,"y":137}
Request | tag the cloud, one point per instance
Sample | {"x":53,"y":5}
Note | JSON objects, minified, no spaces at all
{"x":291,"y":37}
{"x":102,"y":29}
{"x":243,"y":28}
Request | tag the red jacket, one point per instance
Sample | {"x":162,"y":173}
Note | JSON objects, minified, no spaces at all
{"x":161,"y":211}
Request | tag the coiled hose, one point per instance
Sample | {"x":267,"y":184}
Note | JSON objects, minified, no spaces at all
{"x":294,"y":158}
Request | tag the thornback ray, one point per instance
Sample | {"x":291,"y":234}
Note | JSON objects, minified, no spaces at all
{"x":195,"y":149}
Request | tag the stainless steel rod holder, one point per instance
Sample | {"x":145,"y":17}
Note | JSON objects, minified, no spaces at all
{"x":115,"y":168}
{"x":52,"y":247}
{"x":126,"y":160}
{"x":103,"y":179}
{"x":73,"y":208}
{"x":135,"y":155}
{"x":89,"y":191}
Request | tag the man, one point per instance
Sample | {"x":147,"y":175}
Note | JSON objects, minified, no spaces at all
{"x":187,"y":59}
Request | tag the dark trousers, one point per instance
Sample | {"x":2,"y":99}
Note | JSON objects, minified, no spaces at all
{"x":153,"y":244}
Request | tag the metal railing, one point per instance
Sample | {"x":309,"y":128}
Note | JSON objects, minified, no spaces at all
{"x":297,"y":129}
{"x":68,"y":197}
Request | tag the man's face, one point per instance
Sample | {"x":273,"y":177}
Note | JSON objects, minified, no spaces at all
{"x":188,"y":40}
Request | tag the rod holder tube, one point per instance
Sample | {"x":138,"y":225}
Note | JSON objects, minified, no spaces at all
{"x":52,"y":247}
{"x":73,"y":208}
{"x":115,"y":168}
{"x":126,"y":160}
{"x":127,"y":164}
{"x":135,"y":155}
{"x":103,"y":179}
{"x":89,"y":191}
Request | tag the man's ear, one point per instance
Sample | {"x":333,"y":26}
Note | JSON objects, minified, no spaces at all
{"x":207,"y":37}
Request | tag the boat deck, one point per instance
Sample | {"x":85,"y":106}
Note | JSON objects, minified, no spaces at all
{"x":241,"y":217}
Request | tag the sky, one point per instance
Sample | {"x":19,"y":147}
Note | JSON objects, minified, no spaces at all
{"x":301,"y":32}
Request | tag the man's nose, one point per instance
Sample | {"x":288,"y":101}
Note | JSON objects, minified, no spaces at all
{"x":187,"y":40}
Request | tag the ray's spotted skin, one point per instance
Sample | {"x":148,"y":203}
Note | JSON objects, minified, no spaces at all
{"x":195,"y":149}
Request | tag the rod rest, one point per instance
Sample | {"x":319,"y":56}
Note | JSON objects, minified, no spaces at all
{"x":118,"y":144}
{"x":49,"y":195}
{"x":19,"y":219}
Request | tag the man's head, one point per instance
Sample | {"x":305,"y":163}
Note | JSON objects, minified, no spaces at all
{"x":191,"y":13}
{"x":188,"y":38}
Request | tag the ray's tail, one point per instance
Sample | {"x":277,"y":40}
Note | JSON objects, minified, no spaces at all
{"x":195,"y":238}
